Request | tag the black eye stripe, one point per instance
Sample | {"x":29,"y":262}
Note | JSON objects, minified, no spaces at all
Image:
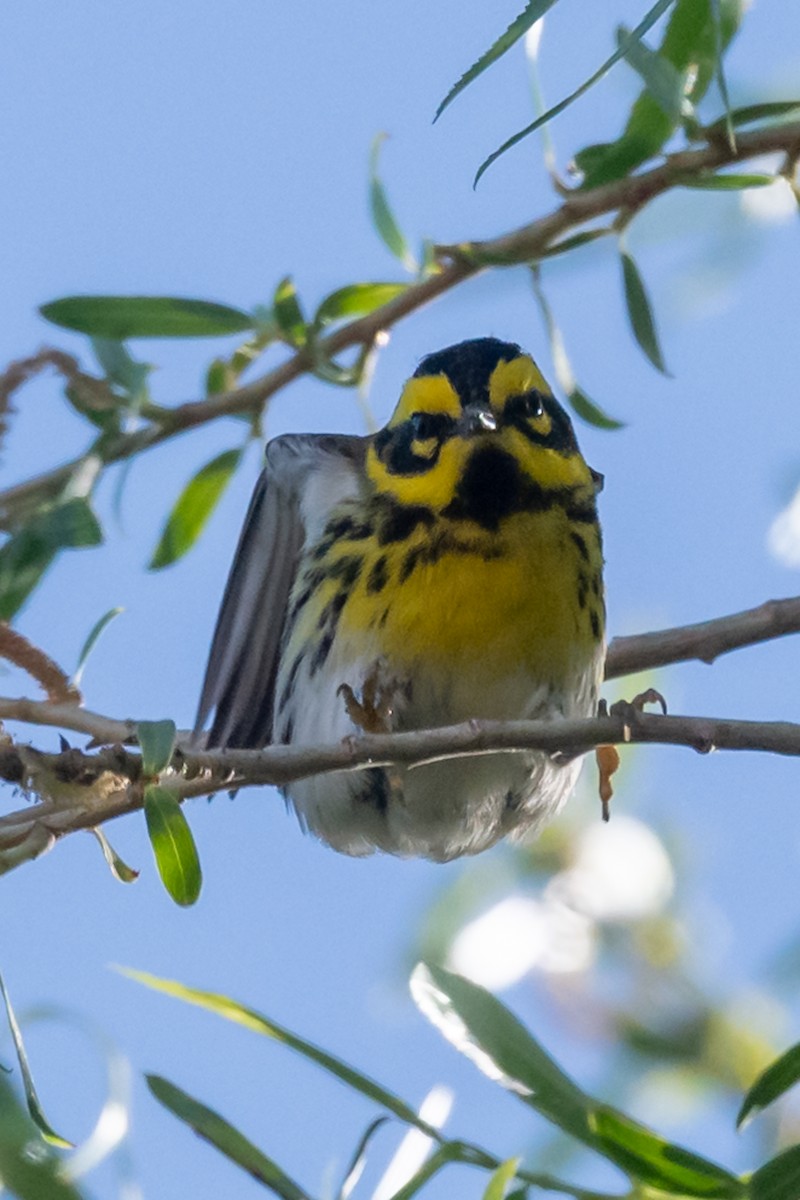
{"x":528,"y":404}
{"x":425,"y":425}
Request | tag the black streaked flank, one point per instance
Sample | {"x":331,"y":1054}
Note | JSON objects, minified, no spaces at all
{"x":347,"y":569}
{"x":329,"y":617}
{"x":321,"y":652}
{"x":594,"y":620}
{"x":378,"y":576}
{"x":291,"y":679}
{"x":397,"y":521}
{"x":581,"y":544}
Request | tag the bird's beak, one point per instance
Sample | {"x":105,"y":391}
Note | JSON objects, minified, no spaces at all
{"x":481,"y":420}
{"x":597,"y":479}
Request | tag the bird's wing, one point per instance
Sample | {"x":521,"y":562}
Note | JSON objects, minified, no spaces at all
{"x":239,"y":684}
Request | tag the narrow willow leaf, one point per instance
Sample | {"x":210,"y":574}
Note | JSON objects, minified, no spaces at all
{"x":31,"y":1097}
{"x":117,"y":866}
{"x":688,"y":44}
{"x":358,"y":1161}
{"x":231,"y":1010}
{"x":657,"y":11}
{"x":725,"y":183}
{"x":664,"y":83}
{"x":121,"y":368}
{"x":213,"y":1128}
{"x":590,"y":412}
{"x":121,"y":317}
{"x":777,"y":1079}
{"x":640,"y":313}
{"x":157,"y":741}
{"x":751,"y":113}
{"x":333,"y":372}
{"x":654,"y":1161}
{"x":779,"y":1179}
{"x":288,"y":314}
{"x":574,"y":242}
{"x":91,"y":641}
{"x":533,"y":11}
{"x":28,"y":1169}
{"x":719,"y":71}
{"x":501,"y":1180}
{"x":25,"y":557}
{"x":486,"y":1032}
{"x":193,"y":508}
{"x":382,"y":216}
{"x":580,"y":403}
{"x":355,"y":300}
{"x":173,"y":845}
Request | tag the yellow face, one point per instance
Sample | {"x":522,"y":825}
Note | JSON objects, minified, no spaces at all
{"x":477,"y":422}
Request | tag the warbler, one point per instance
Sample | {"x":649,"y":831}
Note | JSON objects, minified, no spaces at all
{"x":446,"y":568}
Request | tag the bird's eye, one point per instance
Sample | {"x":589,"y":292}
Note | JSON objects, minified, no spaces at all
{"x":427,"y":425}
{"x":529,"y":404}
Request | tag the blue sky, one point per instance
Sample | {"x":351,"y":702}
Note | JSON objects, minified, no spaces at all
{"x":208,"y":151}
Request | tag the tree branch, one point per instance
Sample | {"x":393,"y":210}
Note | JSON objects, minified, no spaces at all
{"x":82,"y":789}
{"x":705,"y":641}
{"x":457,"y":263}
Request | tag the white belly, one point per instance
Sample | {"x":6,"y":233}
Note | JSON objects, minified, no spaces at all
{"x":441,"y":810}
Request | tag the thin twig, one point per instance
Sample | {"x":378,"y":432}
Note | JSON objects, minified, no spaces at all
{"x":40,"y":666}
{"x":705,"y":641}
{"x":525,"y":244}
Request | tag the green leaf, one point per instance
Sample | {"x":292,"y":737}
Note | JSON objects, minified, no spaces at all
{"x":577,"y":240}
{"x":664,"y":83}
{"x":590,"y":412}
{"x":777,"y":1079}
{"x":117,"y":866}
{"x":157,"y":741}
{"x":688,"y":45}
{"x":231,"y":1010}
{"x":355,"y":300}
{"x":751,"y":113}
{"x":486,"y":1032}
{"x":358,"y":1160}
{"x":719,"y":70}
{"x":29,"y":1170}
{"x":724,"y":183}
{"x":25,"y":557}
{"x":193,"y":509}
{"x":640,"y":312}
{"x":121,"y":368}
{"x":173,"y":845}
{"x":91,"y":642}
{"x":501,"y":1180}
{"x":779,"y":1179}
{"x":213,"y":1128}
{"x":120,"y":317}
{"x":288,"y":314}
{"x":585,"y":408}
{"x":658,"y":10}
{"x":382,"y":216}
{"x":31,"y":1097}
{"x":652,"y":1160}
{"x":534,"y":10}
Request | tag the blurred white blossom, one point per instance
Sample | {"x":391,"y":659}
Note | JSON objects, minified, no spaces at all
{"x":783,"y":538}
{"x":771,"y":205}
{"x":415,"y":1146}
{"x":620,"y":872}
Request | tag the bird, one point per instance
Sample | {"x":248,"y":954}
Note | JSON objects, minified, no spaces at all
{"x":447,"y":568}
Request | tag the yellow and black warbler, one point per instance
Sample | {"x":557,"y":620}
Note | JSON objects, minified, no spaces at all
{"x":448,"y":567}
